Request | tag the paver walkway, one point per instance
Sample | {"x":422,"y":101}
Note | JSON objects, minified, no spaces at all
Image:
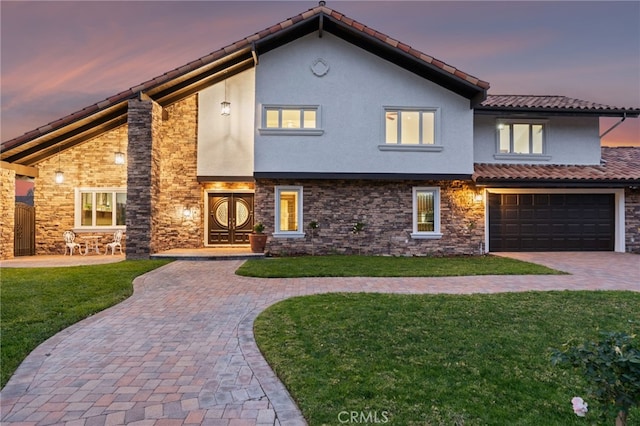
{"x":181,"y":349}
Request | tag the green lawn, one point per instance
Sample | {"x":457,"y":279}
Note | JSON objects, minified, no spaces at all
{"x":36,"y":303}
{"x":438,"y":359}
{"x":380,"y":266}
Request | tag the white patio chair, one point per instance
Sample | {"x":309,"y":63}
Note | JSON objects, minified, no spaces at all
{"x":117,"y":238}
{"x":70,"y":243}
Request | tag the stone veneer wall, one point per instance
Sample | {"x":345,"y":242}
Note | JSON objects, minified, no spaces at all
{"x":7,"y":212}
{"x":632,"y":220}
{"x":162,"y":181}
{"x":385,"y":207}
{"x":90,"y":164}
{"x":178,"y":184}
{"x":143,"y":175}
{"x":156,"y":195}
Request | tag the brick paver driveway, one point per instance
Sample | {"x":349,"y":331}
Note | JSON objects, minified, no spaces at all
{"x":181,"y":349}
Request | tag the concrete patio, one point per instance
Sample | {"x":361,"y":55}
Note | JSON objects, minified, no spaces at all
{"x":209,"y":253}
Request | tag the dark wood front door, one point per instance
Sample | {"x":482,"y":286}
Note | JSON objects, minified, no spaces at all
{"x":230,"y":218}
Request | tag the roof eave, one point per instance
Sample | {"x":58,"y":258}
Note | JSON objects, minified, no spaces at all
{"x":40,"y":143}
{"x":488,"y":110}
{"x":555,"y":183}
{"x":30,"y":151}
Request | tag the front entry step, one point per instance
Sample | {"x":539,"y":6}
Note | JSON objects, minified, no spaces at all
{"x":209,"y":253}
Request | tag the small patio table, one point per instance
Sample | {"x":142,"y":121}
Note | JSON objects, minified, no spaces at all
{"x":92,"y":242}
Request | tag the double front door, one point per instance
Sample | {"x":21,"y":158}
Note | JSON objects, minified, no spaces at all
{"x":230,"y":218}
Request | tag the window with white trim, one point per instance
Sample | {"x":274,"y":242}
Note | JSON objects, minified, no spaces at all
{"x":520,"y":137}
{"x":100,"y":207}
{"x":410,"y":126}
{"x":297,"y":120}
{"x":288,"y":211}
{"x":426,"y":213}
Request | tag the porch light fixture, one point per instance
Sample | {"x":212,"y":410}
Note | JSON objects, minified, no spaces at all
{"x":225,"y":106}
{"x":478,"y":197}
{"x":59,"y":172}
{"x":187,"y":213}
{"x":119,"y":157}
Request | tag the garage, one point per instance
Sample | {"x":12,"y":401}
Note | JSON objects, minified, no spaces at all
{"x":551,"y":222}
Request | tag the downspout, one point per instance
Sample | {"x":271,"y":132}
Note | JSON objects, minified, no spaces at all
{"x":624,"y":117}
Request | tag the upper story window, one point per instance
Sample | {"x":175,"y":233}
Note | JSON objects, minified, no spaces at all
{"x":290,"y":118}
{"x":521,"y":137}
{"x":298,"y":120}
{"x":100,"y":207}
{"x":410,"y":127}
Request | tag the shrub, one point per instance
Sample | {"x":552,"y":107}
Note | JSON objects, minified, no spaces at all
{"x":611,"y":367}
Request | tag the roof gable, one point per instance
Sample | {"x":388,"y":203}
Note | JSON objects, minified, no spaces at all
{"x":192,"y":77}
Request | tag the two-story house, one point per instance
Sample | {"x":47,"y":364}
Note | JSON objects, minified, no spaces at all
{"x":321,"y":118}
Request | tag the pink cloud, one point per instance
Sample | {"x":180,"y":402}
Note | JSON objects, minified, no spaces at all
{"x":626,"y":134}
{"x":482,"y":47}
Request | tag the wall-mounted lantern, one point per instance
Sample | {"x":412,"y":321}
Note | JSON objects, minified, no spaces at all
{"x":59,"y":172}
{"x":119,"y":158}
{"x":225,"y":106}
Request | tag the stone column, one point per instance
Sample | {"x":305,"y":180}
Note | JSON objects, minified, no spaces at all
{"x":7,"y":212}
{"x":143,"y":177}
{"x":632,"y":219}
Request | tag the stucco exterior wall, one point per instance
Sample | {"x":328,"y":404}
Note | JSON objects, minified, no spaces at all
{"x":351,"y":97}
{"x":225,"y":143}
{"x":568,"y":140}
{"x":7,"y":212}
{"x":385,"y":207}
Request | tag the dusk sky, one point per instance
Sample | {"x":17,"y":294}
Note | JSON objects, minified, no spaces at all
{"x":58,"y":57}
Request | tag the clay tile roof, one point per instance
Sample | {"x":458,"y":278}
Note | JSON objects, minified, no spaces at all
{"x":549,"y":103}
{"x":618,"y":165}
